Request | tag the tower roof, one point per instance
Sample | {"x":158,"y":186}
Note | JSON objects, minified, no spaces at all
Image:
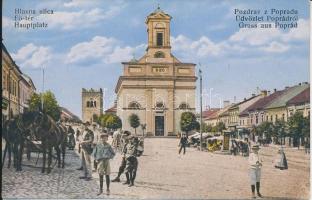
{"x":158,"y":14}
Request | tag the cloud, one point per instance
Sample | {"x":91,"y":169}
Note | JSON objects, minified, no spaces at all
{"x":66,"y":20}
{"x":102,"y":49}
{"x":300,"y":33}
{"x":32,"y":56}
{"x":276,"y":47}
{"x":80,"y":3}
{"x":255,"y":36}
{"x":7,"y":22}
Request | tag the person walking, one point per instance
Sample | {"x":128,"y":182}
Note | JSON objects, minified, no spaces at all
{"x":123,"y":161}
{"x":102,"y":153}
{"x":131,"y":160}
{"x":86,"y":150}
{"x":71,"y":138}
{"x":183,"y":143}
{"x":255,"y":164}
{"x":95,"y":142}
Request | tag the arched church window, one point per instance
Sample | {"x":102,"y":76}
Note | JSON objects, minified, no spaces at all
{"x":91,"y":103}
{"x":159,"y":54}
{"x":159,"y":39}
{"x":94,"y":103}
{"x":184,"y":106}
{"x":160,"y":105}
{"x":134,"y":105}
{"x":88,"y":104}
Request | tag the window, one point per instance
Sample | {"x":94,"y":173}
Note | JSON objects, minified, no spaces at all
{"x":276,"y":117}
{"x":283,"y":117}
{"x":88,"y":104}
{"x":256,"y":119}
{"x":271,"y":118}
{"x":159,"y":39}
{"x":134,"y":105}
{"x":267,"y":118}
{"x":94,"y":103}
{"x":159,"y":54}
{"x":184,"y":106}
{"x":4,"y":80}
{"x":243,"y":122}
{"x":160,"y":105}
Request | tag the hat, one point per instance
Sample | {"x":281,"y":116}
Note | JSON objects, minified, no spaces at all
{"x":127,"y":133}
{"x":255,"y":146}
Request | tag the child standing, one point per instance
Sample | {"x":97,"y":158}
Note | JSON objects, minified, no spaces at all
{"x":102,"y":153}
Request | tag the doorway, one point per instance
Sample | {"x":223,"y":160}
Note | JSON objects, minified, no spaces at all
{"x":159,"y":126}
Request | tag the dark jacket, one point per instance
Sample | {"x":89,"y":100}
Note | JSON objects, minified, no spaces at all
{"x":183,"y":141}
{"x":88,"y":146}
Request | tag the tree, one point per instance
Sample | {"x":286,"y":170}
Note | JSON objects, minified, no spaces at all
{"x":206,"y":128}
{"x":134,"y":121}
{"x":103,"y":119}
{"x":50,"y":104}
{"x":266,"y":129}
{"x":279,"y":130}
{"x":220,"y":127}
{"x":113,"y":122}
{"x":188,"y":122}
{"x":297,"y":124}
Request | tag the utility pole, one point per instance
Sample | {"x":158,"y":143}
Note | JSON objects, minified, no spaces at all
{"x":42,"y":89}
{"x":201,"y":108}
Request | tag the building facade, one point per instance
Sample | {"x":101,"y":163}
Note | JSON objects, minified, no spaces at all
{"x":92,"y":104}
{"x":17,"y":87}
{"x":11,"y":75}
{"x":157,"y":87}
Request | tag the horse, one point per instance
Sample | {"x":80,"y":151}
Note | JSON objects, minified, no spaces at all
{"x":51,"y":135}
{"x":15,"y":132}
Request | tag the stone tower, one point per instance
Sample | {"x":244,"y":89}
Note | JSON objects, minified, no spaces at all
{"x":92,"y":103}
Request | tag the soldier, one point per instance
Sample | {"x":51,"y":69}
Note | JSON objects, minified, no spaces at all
{"x":86,"y":146}
{"x":255,"y":164}
{"x":123,"y":161}
{"x":102,"y":153}
{"x":131,"y":160}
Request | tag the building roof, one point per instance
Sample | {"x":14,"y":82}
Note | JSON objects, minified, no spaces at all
{"x":29,"y":80}
{"x":261,"y":103}
{"x":211,"y":113}
{"x":111,"y":109}
{"x":68,"y":113}
{"x":286,"y":96}
{"x":303,"y":97}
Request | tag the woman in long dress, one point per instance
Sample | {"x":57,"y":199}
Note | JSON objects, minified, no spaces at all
{"x":255,"y":164}
{"x":281,"y":161}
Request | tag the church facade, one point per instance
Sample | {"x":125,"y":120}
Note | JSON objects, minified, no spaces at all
{"x":157,"y":87}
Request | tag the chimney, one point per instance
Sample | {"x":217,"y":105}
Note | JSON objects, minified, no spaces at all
{"x":245,"y":99}
{"x":226,"y":103}
{"x":253,"y":94}
{"x":299,"y":83}
{"x":269,"y":92}
{"x":287,"y":87}
{"x":264,"y":93}
{"x":234,"y":99}
{"x":274,"y":89}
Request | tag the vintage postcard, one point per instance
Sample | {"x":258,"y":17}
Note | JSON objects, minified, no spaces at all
{"x":155,"y":99}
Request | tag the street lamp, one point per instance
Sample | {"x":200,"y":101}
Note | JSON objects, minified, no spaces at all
{"x":201,"y":108}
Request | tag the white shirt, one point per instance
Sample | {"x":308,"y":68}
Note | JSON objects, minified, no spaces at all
{"x":254,"y":161}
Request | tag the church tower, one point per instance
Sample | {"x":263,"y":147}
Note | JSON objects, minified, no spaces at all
{"x":157,"y":87}
{"x":92,"y":104}
{"x":158,"y":32}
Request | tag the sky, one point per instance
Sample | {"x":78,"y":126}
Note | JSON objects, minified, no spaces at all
{"x":86,"y":41}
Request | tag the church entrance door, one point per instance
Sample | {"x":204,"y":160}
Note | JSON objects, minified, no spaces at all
{"x":159,"y":126}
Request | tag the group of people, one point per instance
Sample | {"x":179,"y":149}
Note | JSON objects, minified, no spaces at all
{"x":94,"y":146}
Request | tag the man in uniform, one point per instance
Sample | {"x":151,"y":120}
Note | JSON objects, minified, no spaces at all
{"x":86,"y":146}
{"x":131,"y":160}
{"x":123,"y":161}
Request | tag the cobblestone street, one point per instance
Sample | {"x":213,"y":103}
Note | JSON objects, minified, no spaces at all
{"x":163,"y":174}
